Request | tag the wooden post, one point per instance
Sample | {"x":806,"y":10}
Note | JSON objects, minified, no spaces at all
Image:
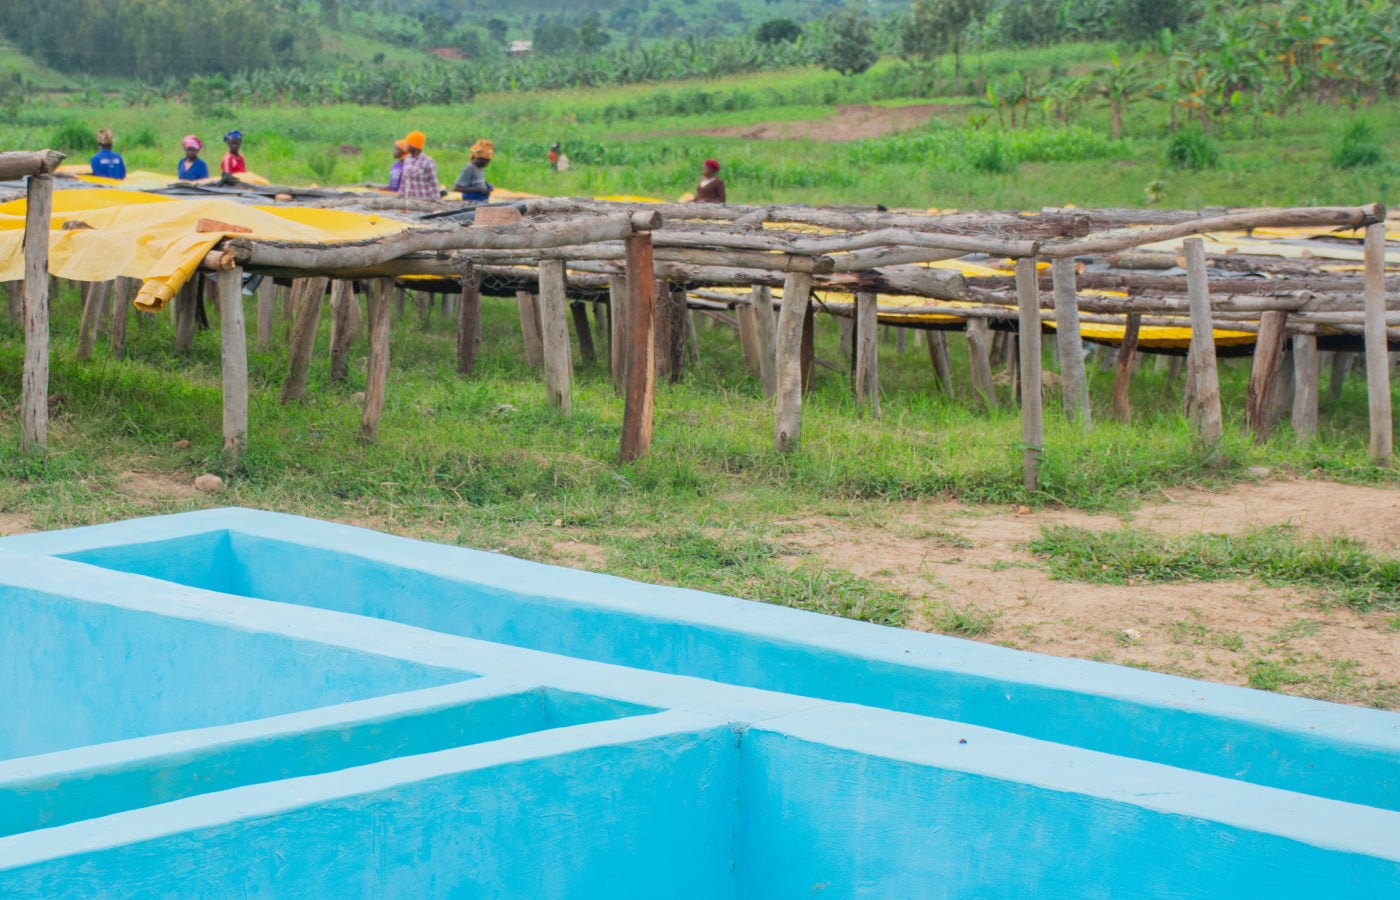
{"x":661,"y":353}
{"x":866,"y":383}
{"x":767,"y":340}
{"x":342,"y":295}
{"x":468,"y":322}
{"x":1074,"y":386}
{"x":1032,"y":427}
{"x":528,"y":305}
{"x":1122,"y":408}
{"x":979,"y":350}
{"x":1305,"y":386}
{"x":848,"y":341}
{"x":579,"y":312}
{"x":1205,"y":408}
{"x":1268,"y":348}
{"x":266,"y":309}
{"x":691,"y":334}
{"x":289,"y":308}
{"x":809,"y":346}
{"x":123,"y":289}
{"x":185,"y":303}
{"x":602,"y":318}
{"x":424,"y":303}
{"x":34,"y":402}
{"x":748,"y":336}
{"x":787,"y":417}
{"x":621,"y":333}
{"x":14,"y":294}
{"x":901,"y":339}
{"x":400,"y":301}
{"x":940,"y":360}
{"x":638,"y":346}
{"x":95,"y":296}
{"x":558,"y":358}
{"x":311,"y":294}
{"x":1377,"y":363}
{"x":1341,"y":367}
{"x":377,"y":377}
{"x":1285,"y":380}
{"x":233,"y":345}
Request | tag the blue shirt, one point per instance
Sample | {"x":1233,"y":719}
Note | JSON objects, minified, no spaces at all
{"x":108,"y":164}
{"x":192,"y":171}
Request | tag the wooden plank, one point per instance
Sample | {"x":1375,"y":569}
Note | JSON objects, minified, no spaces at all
{"x":266,"y":309}
{"x":1305,"y":386}
{"x":34,"y":402}
{"x":1377,"y":363}
{"x":767,"y":332}
{"x":528,"y":306}
{"x":468,"y":322}
{"x":748,"y":336}
{"x":1122,"y":378}
{"x":579,"y":313}
{"x":377,"y":376}
{"x":979,"y":355}
{"x":639,"y":345}
{"x":95,"y":295}
{"x":123,"y":290}
{"x":1205,"y":411}
{"x":617,"y":320}
{"x":866,"y":383}
{"x":1032,"y":426}
{"x":787,"y":415}
{"x":938,"y":357}
{"x":554,"y":335}
{"x":233,"y":352}
{"x":1268,"y":350}
{"x":342,"y":295}
{"x":311,"y":293}
{"x":1069,"y":344}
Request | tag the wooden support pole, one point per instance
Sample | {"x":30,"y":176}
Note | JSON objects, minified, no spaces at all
{"x":400,"y":302}
{"x":691,"y":334}
{"x":233,"y":346}
{"x":767,"y":339}
{"x":529,"y":306}
{"x":1032,"y":426}
{"x":979,"y":355}
{"x":1305,"y":386}
{"x":311,"y":294}
{"x":809,"y":346}
{"x":266,"y":308}
{"x":468,"y":322}
{"x":14,"y":294}
{"x":1205,"y":411}
{"x":1341,"y":367}
{"x":940,"y":360}
{"x":601,"y":318}
{"x":1074,"y":386}
{"x":1281,"y":398}
{"x":579,"y":313}
{"x":34,"y":402}
{"x":342,"y":295}
{"x":185,"y":302}
{"x":289,"y":308}
{"x":787,"y":417}
{"x":661,"y":353}
{"x":901,"y":339}
{"x":1268,"y":350}
{"x":95,"y":295}
{"x":866,"y":383}
{"x":748,"y":336}
{"x":1377,"y":363}
{"x":1122,"y":407}
{"x":848,"y":340}
{"x":377,"y":376}
{"x":638,"y":347}
{"x":621,"y":334}
{"x":558,"y":357}
{"x":123,"y":290}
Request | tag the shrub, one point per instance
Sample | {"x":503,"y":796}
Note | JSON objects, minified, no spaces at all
{"x":1358,"y":147}
{"x":323,"y":166}
{"x":145,"y":136}
{"x":1192,"y":150}
{"x":74,"y":139}
{"x":774,"y":31}
{"x":991,"y":158}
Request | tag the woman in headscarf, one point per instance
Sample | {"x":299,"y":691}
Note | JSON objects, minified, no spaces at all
{"x":472,"y":181}
{"x":106,"y":163}
{"x":420,"y":180}
{"x":233,"y":163}
{"x":711,"y":186}
{"x":192,"y":168}
{"x":396,"y":170}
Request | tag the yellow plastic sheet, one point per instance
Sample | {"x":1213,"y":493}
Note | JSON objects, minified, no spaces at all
{"x":154,"y":238}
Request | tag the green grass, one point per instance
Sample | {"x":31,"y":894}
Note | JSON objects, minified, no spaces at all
{"x":1337,"y":566}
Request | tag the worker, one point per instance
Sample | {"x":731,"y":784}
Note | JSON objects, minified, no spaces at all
{"x":711,"y":187}
{"x":396,"y":170}
{"x":233,"y":163}
{"x":472,"y":181}
{"x":106,"y":163}
{"x":192,"y":168}
{"x":420,"y":178}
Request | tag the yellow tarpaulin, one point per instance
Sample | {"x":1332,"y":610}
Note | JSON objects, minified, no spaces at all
{"x":155,"y":238}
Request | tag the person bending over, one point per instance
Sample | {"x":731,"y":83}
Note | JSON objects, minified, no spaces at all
{"x":472,"y":181}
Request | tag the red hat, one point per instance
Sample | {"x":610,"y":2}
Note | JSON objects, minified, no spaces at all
{"x":712,"y":165}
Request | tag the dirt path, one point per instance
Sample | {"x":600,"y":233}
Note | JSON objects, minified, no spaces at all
{"x":848,"y":123}
{"x":973,"y":561}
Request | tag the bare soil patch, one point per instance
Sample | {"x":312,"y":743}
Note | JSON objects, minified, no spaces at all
{"x":848,"y":123}
{"x":14,"y":523}
{"x":156,"y":486}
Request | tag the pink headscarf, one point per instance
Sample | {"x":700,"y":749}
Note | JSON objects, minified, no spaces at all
{"x":712,"y":165}
{"x":192,"y":141}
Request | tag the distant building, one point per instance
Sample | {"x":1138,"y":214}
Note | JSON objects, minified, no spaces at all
{"x":520,"y":48}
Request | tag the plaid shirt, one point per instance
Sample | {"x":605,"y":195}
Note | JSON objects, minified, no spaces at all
{"x":420,"y":178}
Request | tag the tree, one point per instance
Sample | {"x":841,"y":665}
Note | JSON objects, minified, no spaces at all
{"x":497,"y":28}
{"x":554,"y":38}
{"x":775,"y":31}
{"x":330,"y":12}
{"x":851,"y":48}
{"x":934,"y":24}
{"x":591,"y":35}
{"x":1119,"y":83}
